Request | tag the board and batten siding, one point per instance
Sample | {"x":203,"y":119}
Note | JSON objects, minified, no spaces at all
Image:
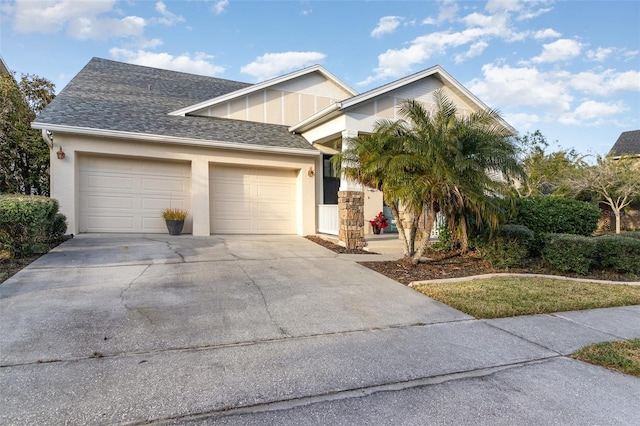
{"x":286,"y":103}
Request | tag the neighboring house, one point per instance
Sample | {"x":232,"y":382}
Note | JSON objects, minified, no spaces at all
{"x":242,"y":158}
{"x":627,"y":145}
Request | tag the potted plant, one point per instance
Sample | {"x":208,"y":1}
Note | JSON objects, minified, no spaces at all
{"x":174,"y":219}
{"x":378,"y":223}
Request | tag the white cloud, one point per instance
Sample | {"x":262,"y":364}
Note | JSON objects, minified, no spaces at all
{"x":546,"y":33}
{"x":559,"y":50}
{"x":386,"y":25}
{"x":476,"y":49}
{"x":448,"y":10}
{"x":523,"y":121}
{"x":220,"y":5}
{"x":148,"y":44}
{"x":505,"y":85}
{"x":198,"y":63}
{"x":271,"y":65}
{"x":523,"y":10}
{"x":480,"y":29}
{"x":600,"y":54}
{"x":593,"y":113}
{"x":103,"y":29}
{"x":604,"y":82}
{"x":50,"y":16}
{"x":168,"y":18}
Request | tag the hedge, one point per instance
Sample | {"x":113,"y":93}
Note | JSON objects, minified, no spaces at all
{"x":556,"y":215}
{"x":509,"y":247}
{"x":569,"y":253}
{"x":618,"y":252}
{"x":29,"y":224}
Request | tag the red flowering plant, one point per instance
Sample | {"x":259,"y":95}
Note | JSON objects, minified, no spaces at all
{"x":379,"y":222}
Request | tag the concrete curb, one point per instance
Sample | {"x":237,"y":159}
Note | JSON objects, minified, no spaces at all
{"x":507,"y":274}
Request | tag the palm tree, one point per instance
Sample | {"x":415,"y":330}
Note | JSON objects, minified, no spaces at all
{"x":436,"y":161}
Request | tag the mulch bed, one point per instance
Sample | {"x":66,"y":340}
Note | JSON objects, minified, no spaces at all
{"x":10,"y":267}
{"x":334,"y":247}
{"x":455,"y":265}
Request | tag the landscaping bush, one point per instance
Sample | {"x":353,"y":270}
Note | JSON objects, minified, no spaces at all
{"x":618,"y":252}
{"x":569,"y":253}
{"x":509,"y":247}
{"x":549,"y":214}
{"x":29,"y":224}
{"x":634,"y":234}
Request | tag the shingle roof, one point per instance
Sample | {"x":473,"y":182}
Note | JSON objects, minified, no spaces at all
{"x":114,"y":96}
{"x":627,"y":143}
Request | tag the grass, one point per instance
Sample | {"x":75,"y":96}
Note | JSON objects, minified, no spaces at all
{"x":622,"y":356}
{"x":511,"y":296}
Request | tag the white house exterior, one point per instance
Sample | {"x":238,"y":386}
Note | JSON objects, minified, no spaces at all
{"x":241,"y":158}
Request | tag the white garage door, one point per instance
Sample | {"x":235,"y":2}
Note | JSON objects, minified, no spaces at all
{"x":122,"y":194}
{"x":252,"y":200}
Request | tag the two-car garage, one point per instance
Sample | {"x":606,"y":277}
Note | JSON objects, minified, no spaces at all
{"x":127,"y":194}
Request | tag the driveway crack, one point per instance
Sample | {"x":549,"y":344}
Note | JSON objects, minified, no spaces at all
{"x":266,"y":305}
{"x":124,"y":303}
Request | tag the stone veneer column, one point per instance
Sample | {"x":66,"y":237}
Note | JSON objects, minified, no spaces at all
{"x":351,"y":218}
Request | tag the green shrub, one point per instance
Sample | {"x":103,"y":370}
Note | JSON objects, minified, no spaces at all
{"x":569,"y":253}
{"x":634,"y":234}
{"x":29,"y":224}
{"x":556,"y":215}
{"x":509,"y":247}
{"x":445,"y":242}
{"x":618,"y":252}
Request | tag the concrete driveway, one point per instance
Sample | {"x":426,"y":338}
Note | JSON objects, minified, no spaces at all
{"x":126,"y":329}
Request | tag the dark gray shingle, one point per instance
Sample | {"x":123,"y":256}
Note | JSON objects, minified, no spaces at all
{"x":115,"y":96}
{"x":627,"y":143}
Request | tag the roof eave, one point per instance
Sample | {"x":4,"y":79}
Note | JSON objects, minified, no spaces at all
{"x":173,"y":139}
{"x":316,"y":119}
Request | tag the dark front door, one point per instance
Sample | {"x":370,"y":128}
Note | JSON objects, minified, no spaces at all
{"x":330,"y":183}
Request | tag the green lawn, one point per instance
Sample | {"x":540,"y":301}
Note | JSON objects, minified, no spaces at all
{"x":622,"y":356}
{"x":510,"y":296}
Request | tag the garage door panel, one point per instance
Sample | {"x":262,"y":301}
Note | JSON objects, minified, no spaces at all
{"x":233,"y":226}
{"x":162,"y":185}
{"x":274,"y":226}
{"x":252,"y":200}
{"x":230,"y":208}
{"x":107,"y":202}
{"x":153,"y":224}
{"x":109,"y":223}
{"x":109,"y":182}
{"x":121,"y":194}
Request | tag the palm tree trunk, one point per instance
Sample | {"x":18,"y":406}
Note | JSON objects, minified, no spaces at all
{"x":401,"y":229}
{"x":426,"y":235}
{"x":464,"y":237}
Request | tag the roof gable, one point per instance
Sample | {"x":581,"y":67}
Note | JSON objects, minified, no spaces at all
{"x":416,"y":86}
{"x":287,"y":80}
{"x":628,"y":143}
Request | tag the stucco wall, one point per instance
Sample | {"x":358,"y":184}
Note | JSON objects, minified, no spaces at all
{"x":64,"y":173}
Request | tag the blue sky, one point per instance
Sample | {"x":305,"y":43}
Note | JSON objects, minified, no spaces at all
{"x":568,"y":68}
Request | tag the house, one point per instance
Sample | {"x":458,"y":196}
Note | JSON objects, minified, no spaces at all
{"x":628,"y":143}
{"x":241,"y":158}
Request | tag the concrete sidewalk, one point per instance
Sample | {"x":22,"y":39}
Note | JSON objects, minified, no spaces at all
{"x":270,"y":330}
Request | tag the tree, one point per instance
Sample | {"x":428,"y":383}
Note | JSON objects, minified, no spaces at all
{"x":434,"y":161}
{"x":546,"y":172}
{"x":24,"y":155}
{"x":614,"y":182}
